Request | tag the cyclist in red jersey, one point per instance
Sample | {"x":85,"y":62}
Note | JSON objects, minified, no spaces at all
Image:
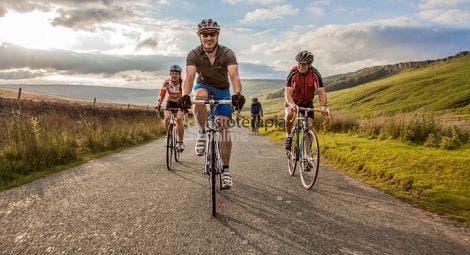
{"x":173,"y":86}
{"x":300,"y":87}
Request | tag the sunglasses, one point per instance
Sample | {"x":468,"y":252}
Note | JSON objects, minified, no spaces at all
{"x":205,"y":35}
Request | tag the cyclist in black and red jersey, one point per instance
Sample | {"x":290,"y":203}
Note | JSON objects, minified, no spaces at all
{"x":301,"y":84}
{"x":173,"y":86}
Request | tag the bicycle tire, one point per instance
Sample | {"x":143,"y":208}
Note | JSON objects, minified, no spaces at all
{"x":176,"y":151}
{"x":169,"y":147}
{"x":310,"y":160}
{"x":292,"y":156}
{"x":213,"y":174}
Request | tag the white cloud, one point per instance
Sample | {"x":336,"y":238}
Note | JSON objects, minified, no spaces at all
{"x":273,"y":13}
{"x":261,"y":2}
{"x":318,"y":11}
{"x":344,"y":48}
{"x":447,"y":17}
{"x":431,"y":4}
{"x":317,"y":7}
{"x":445,"y":12}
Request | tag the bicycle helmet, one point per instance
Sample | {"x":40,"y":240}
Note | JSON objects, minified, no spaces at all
{"x":175,"y":68}
{"x":208,"y":26}
{"x":304,"y":57}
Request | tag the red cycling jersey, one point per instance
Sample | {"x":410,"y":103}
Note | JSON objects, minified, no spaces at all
{"x":304,"y":85}
{"x":174,"y":91}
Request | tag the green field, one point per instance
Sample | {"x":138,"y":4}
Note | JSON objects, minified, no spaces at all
{"x":442,"y":87}
{"x":437,"y":180}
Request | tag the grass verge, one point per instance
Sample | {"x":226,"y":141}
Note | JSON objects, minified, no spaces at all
{"x":435,"y":179}
{"x":40,"y":138}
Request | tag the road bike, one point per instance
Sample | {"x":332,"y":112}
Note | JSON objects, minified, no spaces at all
{"x":213,"y":165}
{"x":172,"y":150}
{"x":306,"y":149}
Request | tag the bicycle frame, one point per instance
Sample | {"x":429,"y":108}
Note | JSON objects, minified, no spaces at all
{"x":213,"y":161}
{"x":302,"y":123}
{"x":211,"y":131}
{"x":172,"y":133}
{"x":308,"y":158}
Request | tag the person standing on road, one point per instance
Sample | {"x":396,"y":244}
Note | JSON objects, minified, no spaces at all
{"x":173,"y":86}
{"x":214,"y":65}
{"x":300,"y":87}
{"x":256,"y":112}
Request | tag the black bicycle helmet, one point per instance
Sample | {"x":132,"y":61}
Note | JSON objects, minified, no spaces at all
{"x":208,"y":26}
{"x":175,"y":68}
{"x":304,"y":57}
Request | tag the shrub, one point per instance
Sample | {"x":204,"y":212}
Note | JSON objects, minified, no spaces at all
{"x":433,"y":140}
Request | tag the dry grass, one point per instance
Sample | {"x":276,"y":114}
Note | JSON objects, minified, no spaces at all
{"x":40,"y":135}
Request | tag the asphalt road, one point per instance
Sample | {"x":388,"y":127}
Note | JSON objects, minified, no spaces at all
{"x":128,"y":203}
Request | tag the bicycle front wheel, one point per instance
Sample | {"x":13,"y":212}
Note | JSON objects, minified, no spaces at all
{"x":169,"y":147}
{"x":310,"y":159}
{"x":213,"y":169}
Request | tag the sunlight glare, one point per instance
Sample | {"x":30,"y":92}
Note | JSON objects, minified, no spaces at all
{"x":33,"y":30}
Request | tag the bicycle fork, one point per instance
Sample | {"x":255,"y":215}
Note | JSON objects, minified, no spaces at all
{"x":211,"y":152}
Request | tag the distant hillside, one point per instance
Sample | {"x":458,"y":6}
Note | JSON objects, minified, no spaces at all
{"x":348,"y":80}
{"x":441,"y":86}
{"x":251,"y":87}
{"x":102,"y":94}
{"x":254,"y":87}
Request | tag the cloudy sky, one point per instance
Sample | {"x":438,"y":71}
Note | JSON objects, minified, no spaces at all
{"x":131,"y":43}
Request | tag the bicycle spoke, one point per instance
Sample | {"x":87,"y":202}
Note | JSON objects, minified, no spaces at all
{"x":310,"y":159}
{"x":169,"y":149}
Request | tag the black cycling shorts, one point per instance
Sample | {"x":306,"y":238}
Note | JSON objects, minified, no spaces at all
{"x":172,"y":104}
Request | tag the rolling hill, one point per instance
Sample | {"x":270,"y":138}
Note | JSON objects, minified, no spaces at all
{"x":441,"y":86}
{"x":365,"y":75}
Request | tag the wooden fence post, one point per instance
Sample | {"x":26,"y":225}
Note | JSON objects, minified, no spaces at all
{"x":94,"y":102}
{"x":128,"y":106}
{"x":18,"y":100}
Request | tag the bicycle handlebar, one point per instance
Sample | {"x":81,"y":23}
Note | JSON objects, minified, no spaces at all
{"x":312,"y":109}
{"x":298,"y":108}
{"x":211,"y":101}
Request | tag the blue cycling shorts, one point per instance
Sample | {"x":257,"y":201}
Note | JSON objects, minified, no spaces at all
{"x":219,"y":94}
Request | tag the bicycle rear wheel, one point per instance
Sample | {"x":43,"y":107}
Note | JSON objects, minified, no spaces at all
{"x":292,"y":156}
{"x":310,"y":160}
{"x":169,"y":147}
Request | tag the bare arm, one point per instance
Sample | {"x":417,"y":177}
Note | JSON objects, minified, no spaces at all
{"x":189,"y":80}
{"x":235,"y":78}
{"x":288,"y":91}
{"x":322,"y":96}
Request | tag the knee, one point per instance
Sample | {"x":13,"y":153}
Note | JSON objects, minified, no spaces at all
{"x":201,"y":94}
{"x":288,"y":115}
